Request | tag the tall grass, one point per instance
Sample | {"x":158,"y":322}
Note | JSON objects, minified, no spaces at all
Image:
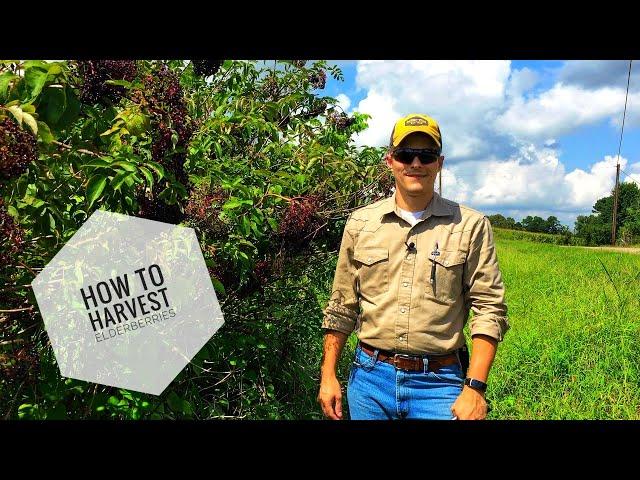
{"x":573,"y":349}
{"x":573,"y":346}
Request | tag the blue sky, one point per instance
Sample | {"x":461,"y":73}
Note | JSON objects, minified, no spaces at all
{"x":520,"y":137}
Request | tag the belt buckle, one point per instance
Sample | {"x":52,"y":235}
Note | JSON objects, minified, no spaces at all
{"x":401,"y":355}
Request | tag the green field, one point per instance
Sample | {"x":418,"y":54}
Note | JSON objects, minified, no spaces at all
{"x":573,"y":350}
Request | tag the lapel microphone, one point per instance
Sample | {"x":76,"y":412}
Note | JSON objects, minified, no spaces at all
{"x":410,"y":246}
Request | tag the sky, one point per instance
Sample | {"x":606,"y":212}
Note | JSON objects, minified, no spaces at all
{"x":519,"y":137}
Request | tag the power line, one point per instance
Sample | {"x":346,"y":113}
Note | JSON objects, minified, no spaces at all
{"x":625,"y":110}
{"x":629,"y":176}
{"x":614,"y":218}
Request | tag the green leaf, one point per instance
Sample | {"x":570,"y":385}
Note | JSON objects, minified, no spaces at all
{"x":95,"y":187}
{"x":246,"y":226}
{"x":44,"y":132}
{"x":218,"y":149}
{"x":117,"y":181}
{"x":35,"y":64}
{"x":175,"y":402}
{"x":115,"y":128}
{"x":234,"y":202}
{"x":30,"y":121}
{"x":147,"y":174}
{"x":217,"y":285}
{"x":159,"y":169}
{"x":72,"y":110}
{"x":5,"y":80}
{"x":16,"y":111}
{"x":186,"y":408}
{"x":273,"y":223}
{"x":28,"y":108}
{"x":128,"y":166}
{"x":53,"y":105}
{"x":54,"y":69}
{"x":96,"y":163}
{"x":34,"y":78}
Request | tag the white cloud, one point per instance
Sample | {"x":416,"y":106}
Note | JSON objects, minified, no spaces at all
{"x":560,"y":110}
{"x":460,"y":95}
{"x":596,"y":73}
{"x":534,"y":183}
{"x":587,"y":187}
{"x":521,"y":81}
{"x":381,"y":108}
{"x":344,"y":102}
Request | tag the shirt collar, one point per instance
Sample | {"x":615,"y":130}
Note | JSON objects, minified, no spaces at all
{"x":437,"y":207}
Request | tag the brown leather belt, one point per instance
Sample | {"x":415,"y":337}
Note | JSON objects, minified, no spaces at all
{"x":411,"y":363}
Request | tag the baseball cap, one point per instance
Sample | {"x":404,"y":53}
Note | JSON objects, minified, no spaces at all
{"x":415,"y":122}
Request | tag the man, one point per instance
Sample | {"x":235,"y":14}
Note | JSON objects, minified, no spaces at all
{"x":410,"y":268}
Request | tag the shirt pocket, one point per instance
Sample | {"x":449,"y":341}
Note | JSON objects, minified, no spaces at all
{"x":446,"y":285}
{"x":373,"y":270}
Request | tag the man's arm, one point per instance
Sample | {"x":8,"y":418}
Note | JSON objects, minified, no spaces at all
{"x":330,"y":395}
{"x":339,"y":321}
{"x":485,"y":293}
{"x":471,"y":404}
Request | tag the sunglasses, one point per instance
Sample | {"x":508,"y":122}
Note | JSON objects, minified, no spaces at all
{"x":425,"y":155}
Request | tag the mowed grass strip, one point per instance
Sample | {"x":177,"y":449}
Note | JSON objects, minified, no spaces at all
{"x":572,"y":351}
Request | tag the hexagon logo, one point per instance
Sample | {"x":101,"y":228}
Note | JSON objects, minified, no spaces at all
{"x":127,"y":302}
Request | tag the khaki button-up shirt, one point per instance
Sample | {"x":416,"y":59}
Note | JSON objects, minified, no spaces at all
{"x":417,"y":300}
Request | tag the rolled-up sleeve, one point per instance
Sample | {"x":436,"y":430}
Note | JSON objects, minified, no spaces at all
{"x":483,"y":285}
{"x":342,"y":310}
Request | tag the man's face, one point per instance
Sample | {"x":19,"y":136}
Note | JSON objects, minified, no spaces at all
{"x":415,"y":179}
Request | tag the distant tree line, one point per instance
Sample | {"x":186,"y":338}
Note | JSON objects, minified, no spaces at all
{"x":594,"y":229}
{"x":530,"y":224}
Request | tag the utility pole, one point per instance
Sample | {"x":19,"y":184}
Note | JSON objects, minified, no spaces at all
{"x":615,"y":207}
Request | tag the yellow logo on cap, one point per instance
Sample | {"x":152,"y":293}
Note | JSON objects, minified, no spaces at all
{"x":415,"y":121}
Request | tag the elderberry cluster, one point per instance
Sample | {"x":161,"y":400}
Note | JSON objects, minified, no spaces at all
{"x":318,"y":79}
{"x":206,"y":68}
{"x":299,"y":220}
{"x":11,"y":237}
{"x":18,"y":148}
{"x":341,"y":120}
{"x":95,"y":73}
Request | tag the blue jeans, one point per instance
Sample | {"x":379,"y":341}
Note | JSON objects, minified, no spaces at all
{"x":378,"y":391}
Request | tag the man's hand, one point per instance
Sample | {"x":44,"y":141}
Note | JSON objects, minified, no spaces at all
{"x":330,"y":397}
{"x":470,"y":405}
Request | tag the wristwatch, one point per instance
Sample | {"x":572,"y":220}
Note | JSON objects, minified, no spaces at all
{"x":475,"y":384}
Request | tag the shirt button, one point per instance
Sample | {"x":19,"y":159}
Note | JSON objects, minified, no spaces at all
{"x":369,"y":259}
{"x":405,"y":284}
{"x":402,"y":310}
